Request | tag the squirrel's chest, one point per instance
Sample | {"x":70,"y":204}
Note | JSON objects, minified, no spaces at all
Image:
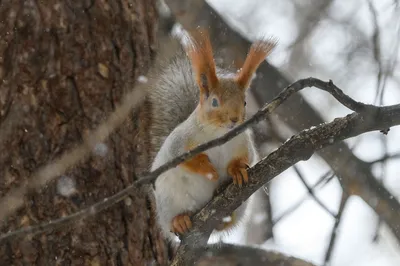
{"x":221,"y":156}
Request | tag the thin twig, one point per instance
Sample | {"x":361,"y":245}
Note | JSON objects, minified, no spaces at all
{"x":327,"y":177}
{"x":311,"y":191}
{"x":382,"y":180}
{"x":386,"y":157}
{"x":376,"y":50}
{"x":338,"y":219}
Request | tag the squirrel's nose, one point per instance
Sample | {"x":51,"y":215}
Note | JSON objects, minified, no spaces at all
{"x":234,"y":119}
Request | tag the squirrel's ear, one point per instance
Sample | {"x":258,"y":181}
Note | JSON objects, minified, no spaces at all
{"x":201,"y":55}
{"x":258,"y":52}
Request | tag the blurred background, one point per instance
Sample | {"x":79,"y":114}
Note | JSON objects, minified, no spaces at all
{"x":355,"y":44}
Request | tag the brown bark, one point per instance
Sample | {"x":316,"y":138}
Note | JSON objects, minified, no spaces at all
{"x":63,"y":66}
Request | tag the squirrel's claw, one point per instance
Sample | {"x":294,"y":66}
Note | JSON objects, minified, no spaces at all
{"x":181,"y":223}
{"x":243,"y":173}
{"x":238,"y":171}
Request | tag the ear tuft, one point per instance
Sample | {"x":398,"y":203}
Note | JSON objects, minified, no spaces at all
{"x":259,"y":50}
{"x":200,"y":52}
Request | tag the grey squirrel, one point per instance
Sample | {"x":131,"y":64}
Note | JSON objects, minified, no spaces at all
{"x":192,"y":103}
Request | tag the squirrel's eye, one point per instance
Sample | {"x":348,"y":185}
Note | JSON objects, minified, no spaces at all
{"x":245,"y":103}
{"x":214,"y":102}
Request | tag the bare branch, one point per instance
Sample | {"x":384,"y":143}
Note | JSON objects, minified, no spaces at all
{"x":386,"y":117}
{"x":297,"y":113}
{"x":232,"y":255}
{"x":297,"y":148}
{"x":386,"y":157}
{"x":311,"y":192}
{"x":309,"y":21}
{"x":308,"y":18}
{"x":338,"y":219}
{"x":377,"y":52}
{"x":326,"y":178}
{"x":383,"y":167}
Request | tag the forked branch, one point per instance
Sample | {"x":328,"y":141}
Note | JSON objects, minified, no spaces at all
{"x":300,"y":147}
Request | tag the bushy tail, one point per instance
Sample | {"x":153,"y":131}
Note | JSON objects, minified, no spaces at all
{"x":172,"y":100}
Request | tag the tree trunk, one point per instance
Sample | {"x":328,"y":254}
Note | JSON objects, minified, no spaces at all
{"x":63,"y":66}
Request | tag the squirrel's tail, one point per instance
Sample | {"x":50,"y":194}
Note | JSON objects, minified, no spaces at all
{"x":172,"y":100}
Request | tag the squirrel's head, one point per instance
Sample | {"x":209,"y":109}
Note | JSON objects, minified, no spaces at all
{"x":222,"y":98}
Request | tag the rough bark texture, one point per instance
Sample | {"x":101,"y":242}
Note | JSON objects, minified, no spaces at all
{"x":63,"y":66}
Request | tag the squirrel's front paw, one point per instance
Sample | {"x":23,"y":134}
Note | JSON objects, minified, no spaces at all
{"x":181,"y":223}
{"x":237,"y":169}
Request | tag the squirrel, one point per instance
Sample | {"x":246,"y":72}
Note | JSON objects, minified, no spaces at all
{"x":194,"y":102}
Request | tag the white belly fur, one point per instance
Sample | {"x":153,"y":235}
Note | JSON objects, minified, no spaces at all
{"x":178,"y":191}
{"x":187,"y":192}
{"x":221,"y":156}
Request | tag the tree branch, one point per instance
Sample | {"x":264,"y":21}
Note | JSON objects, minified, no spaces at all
{"x":324,"y":180}
{"x":297,"y":113}
{"x":312,"y":193}
{"x":382,"y":117}
{"x":298,"y":148}
{"x":386,"y":157}
{"x":232,"y":255}
{"x":338,"y":219}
